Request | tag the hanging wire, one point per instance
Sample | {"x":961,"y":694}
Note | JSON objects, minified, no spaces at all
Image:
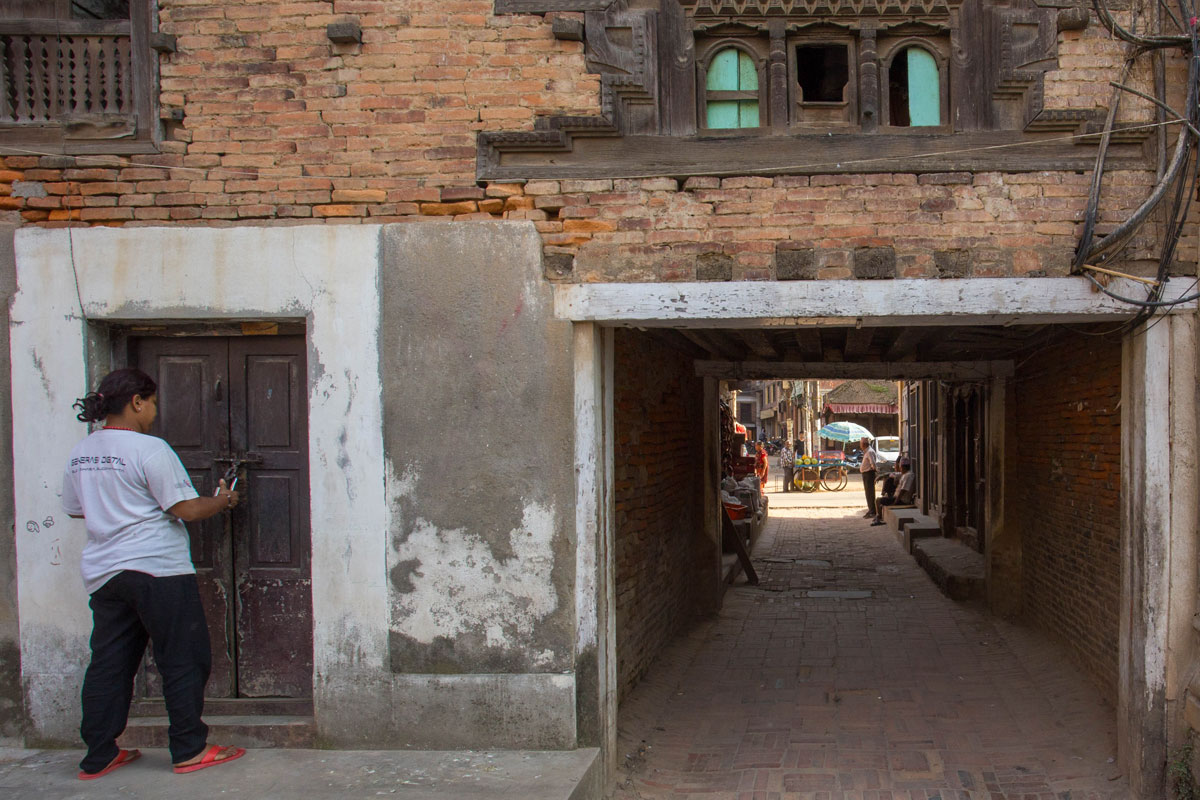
{"x":1179,"y":179}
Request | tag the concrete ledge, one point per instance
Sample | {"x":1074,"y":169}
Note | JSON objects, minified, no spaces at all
{"x":908,"y":524}
{"x":956,"y":569}
{"x":325,"y":775}
{"x":449,"y":712}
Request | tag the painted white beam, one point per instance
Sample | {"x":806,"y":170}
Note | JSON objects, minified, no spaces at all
{"x":768,"y":304}
{"x":880,"y":370}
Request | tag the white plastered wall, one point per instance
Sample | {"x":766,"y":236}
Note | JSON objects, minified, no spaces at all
{"x":327,"y":275}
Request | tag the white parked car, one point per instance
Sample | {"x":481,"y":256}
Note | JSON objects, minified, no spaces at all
{"x":888,"y":448}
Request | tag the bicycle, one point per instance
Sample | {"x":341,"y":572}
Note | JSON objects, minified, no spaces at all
{"x":834,"y":479}
{"x":830,"y":477}
{"x":807,"y":478}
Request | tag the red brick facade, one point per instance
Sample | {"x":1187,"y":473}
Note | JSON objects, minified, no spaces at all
{"x":1068,"y":498}
{"x":658,"y":493}
{"x":267,"y":120}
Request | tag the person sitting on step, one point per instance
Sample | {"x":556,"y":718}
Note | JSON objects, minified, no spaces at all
{"x":905,"y":490}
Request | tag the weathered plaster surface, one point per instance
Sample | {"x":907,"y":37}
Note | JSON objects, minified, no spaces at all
{"x":327,"y":275}
{"x":442,"y":712}
{"x":11,"y":711}
{"x":1158,"y":542}
{"x":483,"y":491}
{"x":505,"y":598}
{"x":477,"y":395}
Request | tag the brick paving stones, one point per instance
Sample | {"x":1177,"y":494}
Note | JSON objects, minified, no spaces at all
{"x":846,"y":675}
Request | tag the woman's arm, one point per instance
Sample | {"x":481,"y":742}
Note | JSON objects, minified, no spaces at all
{"x":199,"y":508}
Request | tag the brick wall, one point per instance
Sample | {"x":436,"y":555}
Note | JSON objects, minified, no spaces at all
{"x":1068,"y":499}
{"x":658,"y":495}
{"x":280,"y":125}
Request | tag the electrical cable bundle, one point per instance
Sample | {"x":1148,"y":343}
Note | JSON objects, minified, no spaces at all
{"x":1179,"y":179}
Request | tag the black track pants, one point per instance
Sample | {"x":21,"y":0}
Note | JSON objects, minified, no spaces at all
{"x":130,"y":609}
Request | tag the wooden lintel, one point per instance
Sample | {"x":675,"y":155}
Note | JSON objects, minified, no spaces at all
{"x":798,"y":304}
{"x":588,"y":155}
{"x":876,"y":370}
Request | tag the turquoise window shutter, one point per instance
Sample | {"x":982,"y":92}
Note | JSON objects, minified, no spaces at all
{"x":734,"y":72}
{"x":924,"y":88}
{"x":723,"y":114}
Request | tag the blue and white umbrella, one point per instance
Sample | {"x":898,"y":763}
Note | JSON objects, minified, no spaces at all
{"x":844,"y":432}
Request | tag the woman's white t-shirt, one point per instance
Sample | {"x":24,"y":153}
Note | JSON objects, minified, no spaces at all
{"x":122,"y":482}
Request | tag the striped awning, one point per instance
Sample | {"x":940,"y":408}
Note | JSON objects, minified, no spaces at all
{"x":862,"y":408}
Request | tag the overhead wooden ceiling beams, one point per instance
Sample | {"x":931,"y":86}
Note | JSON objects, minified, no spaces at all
{"x":877,"y":370}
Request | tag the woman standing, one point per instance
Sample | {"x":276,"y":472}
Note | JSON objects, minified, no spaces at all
{"x":135,"y":496}
{"x":760,"y":466}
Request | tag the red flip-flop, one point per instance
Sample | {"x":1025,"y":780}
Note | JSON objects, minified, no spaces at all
{"x":210,"y":759}
{"x":123,"y":757}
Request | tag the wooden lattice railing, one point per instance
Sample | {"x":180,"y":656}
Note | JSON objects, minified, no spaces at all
{"x":55,"y":71}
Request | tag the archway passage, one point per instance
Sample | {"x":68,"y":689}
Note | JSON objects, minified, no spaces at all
{"x":845,"y":669}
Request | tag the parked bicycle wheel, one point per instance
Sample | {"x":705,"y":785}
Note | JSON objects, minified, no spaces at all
{"x":807,"y":479}
{"x":833,"y":479}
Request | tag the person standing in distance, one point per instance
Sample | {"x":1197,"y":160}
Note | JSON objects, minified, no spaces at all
{"x":134,"y":496}
{"x":868,"y":469}
{"x":787,"y":463}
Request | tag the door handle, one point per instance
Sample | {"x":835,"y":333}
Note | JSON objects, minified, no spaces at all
{"x":218,"y":392}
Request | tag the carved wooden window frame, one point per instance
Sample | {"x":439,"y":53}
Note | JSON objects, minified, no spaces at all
{"x":134,"y":128}
{"x":991,"y":74}
{"x":797,"y":121}
{"x":707,"y":48}
{"x":889,"y":48}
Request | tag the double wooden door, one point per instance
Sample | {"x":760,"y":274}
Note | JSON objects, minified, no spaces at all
{"x":241,"y":401}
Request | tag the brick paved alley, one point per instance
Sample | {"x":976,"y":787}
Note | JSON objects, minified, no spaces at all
{"x":846,"y":675}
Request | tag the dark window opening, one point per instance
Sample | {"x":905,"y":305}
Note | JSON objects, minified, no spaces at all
{"x":898,"y":92}
{"x":100,"y":9}
{"x":823,"y":70}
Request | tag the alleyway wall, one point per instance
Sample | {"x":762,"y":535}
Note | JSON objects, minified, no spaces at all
{"x":1068,"y":496}
{"x":659,"y":543}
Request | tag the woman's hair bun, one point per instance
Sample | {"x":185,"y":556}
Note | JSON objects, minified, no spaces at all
{"x":114,"y":393}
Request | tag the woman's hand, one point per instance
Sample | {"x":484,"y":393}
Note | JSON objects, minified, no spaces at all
{"x":199,"y":508}
{"x":230,"y":495}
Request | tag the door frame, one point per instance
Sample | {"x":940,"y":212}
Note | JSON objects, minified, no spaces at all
{"x":1159,"y":495}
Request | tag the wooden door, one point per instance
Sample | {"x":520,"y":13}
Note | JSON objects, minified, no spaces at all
{"x":226,"y":399}
{"x":268,"y":425}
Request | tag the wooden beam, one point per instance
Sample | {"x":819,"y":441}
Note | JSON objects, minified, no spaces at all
{"x":809,"y":340}
{"x":758,"y":343}
{"x":713,"y":342}
{"x":677,"y":340}
{"x":877,"y":370}
{"x":697,"y":338}
{"x":905,"y":344}
{"x":964,"y":301}
{"x":858,"y":343}
{"x":596,"y":156}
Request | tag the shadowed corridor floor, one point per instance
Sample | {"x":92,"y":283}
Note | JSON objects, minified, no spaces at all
{"x":846,"y":675}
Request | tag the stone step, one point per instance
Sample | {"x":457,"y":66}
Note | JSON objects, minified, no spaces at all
{"x":243,"y":730}
{"x":909,"y":525}
{"x":232,"y":706}
{"x":957,"y":570}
